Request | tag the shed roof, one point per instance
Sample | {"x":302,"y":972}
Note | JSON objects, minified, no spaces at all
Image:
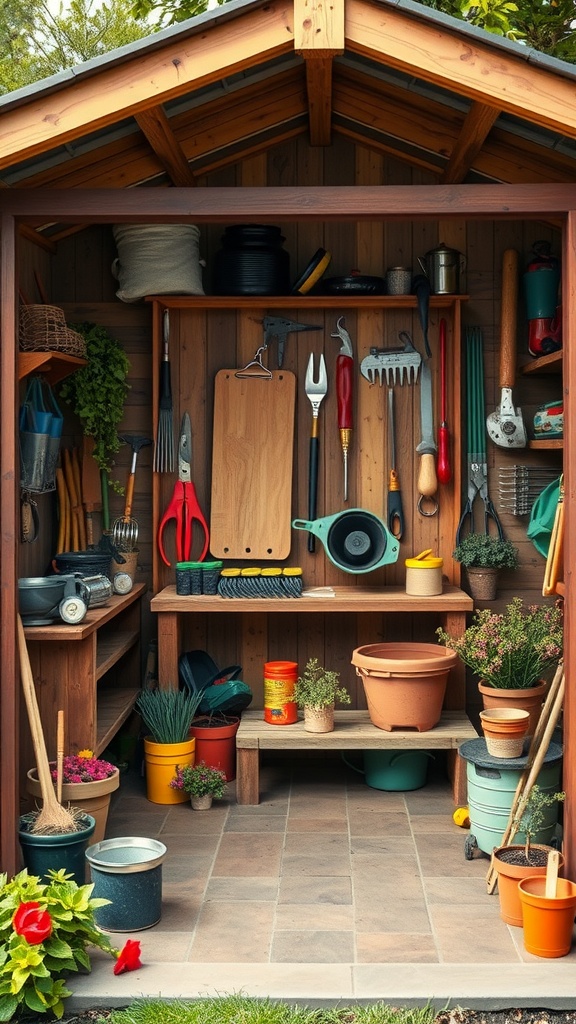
{"x":465,"y":105}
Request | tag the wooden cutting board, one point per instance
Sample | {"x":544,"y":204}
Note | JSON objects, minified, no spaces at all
{"x":250,"y":516}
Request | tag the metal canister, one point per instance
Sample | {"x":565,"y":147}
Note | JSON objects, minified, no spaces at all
{"x":424,"y":575}
{"x":72,"y":610}
{"x":443,"y":267}
{"x":122,"y":583}
{"x":100,"y":589}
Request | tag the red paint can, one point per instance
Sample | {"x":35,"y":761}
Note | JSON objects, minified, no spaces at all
{"x":279,"y":681}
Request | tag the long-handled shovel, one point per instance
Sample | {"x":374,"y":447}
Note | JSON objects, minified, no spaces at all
{"x":52,"y":818}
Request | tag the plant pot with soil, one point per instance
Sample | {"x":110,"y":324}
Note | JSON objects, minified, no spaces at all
{"x":87,"y":785}
{"x":201,"y":783}
{"x":316,"y":692}
{"x":168,"y":715}
{"x":215,"y":737}
{"x":548,"y":909}
{"x":483,"y":556}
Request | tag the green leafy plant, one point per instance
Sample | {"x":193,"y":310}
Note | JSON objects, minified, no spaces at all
{"x":200,"y":780}
{"x":481,"y":550}
{"x":168,"y":714}
{"x":319,"y":688}
{"x":531,"y":820}
{"x":45,"y":931}
{"x":511,"y":650}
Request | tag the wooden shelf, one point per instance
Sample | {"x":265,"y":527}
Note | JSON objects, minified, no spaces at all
{"x":114,"y":707}
{"x":543,"y":364}
{"x":95,"y":619}
{"x":301,"y":301}
{"x":54,"y":366}
{"x":111,"y":648}
{"x":355,"y":600}
{"x":554,"y":444}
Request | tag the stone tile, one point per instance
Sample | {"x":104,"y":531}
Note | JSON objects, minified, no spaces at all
{"x":367,"y":799}
{"x":180,"y":912}
{"x":478,"y":938}
{"x":256,"y":823}
{"x":319,"y":807}
{"x":392,"y":915}
{"x":446,"y":857}
{"x":378,"y":823}
{"x":315,"y":854}
{"x":243,"y":888}
{"x":462,"y":891}
{"x":190,"y":823}
{"x":422,"y":801}
{"x":395,"y":948}
{"x":137,"y":823}
{"x":178,"y":870}
{"x":316,"y":889}
{"x":241,"y":854}
{"x":194,"y":845}
{"x":437,"y":823}
{"x":160,"y":946}
{"x":314,"y":916}
{"x":236,"y":932}
{"x":325,"y":947}
{"x":337,"y":825}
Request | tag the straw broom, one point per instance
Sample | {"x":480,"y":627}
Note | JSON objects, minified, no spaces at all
{"x":52,"y":818}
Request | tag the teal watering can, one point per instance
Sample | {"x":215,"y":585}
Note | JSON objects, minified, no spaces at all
{"x":355,"y":541}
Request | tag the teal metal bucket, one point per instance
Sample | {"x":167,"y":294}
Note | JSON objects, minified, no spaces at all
{"x":492,"y":783}
{"x":396,"y":771}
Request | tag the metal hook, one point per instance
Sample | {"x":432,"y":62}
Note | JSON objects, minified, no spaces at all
{"x":433,"y":505}
{"x":261,"y":371}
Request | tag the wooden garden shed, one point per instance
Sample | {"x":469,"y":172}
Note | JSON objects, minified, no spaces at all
{"x":373,"y":129}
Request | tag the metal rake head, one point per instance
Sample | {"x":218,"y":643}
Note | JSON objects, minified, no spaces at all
{"x":316,"y":389}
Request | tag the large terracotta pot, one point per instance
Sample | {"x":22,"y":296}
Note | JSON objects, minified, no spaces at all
{"x":509,"y":875}
{"x":91,"y":797}
{"x":404,"y":683}
{"x":530,"y":700}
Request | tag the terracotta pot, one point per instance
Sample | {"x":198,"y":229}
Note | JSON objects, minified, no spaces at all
{"x":404,"y":683}
{"x":530,"y":700}
{"x":201,"y":803}
{"x":483,"y":583}
{"x":509,"y":875}
{"x":548,"y":921}
{"x":504,"y":730}
{"x":91,"y":797}
{"x":319,"y":720}
{"x":161,"y":760}
{"x":216,"y":742}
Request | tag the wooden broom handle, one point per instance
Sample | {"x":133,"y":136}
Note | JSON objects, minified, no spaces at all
{"x":59,"y":755}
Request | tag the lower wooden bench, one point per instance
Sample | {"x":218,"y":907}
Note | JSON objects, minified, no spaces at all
{"x":353,"y":731}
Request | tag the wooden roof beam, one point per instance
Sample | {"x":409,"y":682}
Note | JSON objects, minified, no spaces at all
{"x":318,"y":38}
{"x":477,"y":125}
{"x":155,"y":126}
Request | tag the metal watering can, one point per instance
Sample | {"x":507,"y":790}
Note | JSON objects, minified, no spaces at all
{"x":355,"y":541}
{"x":443,"y":266}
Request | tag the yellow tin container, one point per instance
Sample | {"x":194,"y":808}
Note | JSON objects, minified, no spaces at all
{"x":424,"y":574}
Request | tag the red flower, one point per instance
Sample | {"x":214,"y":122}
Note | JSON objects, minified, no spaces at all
{"x":32,"y":923}
{"x":128,"y":958}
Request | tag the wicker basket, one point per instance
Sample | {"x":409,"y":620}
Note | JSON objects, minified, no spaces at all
{"x":43,"y":328}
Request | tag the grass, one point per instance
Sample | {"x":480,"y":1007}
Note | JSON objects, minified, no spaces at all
{"x":237,"y":1009}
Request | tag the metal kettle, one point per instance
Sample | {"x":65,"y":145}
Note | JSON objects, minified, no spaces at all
{"x":443,"y":266}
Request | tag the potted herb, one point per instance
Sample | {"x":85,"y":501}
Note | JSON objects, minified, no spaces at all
{"x":201,"y":782}
{"x":87,"y":784}
{"x":97,"y":394}
{"x":317,"y":691}
{"x":46,"y":930}
{"x":167,"y":715}
{"x":517,"y":861}
{"x":483,"y":556}
{"x":510,"y":652}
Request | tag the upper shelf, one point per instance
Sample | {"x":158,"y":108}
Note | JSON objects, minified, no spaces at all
{"x":301,"y":301}
{"x":55,"y":366}
{"x":544,"y":364}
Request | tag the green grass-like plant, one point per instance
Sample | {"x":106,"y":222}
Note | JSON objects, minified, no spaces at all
{"x":237,"y":1009}
{"x":168,"y":714}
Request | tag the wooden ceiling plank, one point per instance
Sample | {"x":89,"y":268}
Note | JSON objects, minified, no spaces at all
{"x":319,"y":89}
{"x":122,"y":90}
{"x":461,"y":64}
{"x":37,"y":239}
{"x":477,"y":125}
{"x":385,"y":146}
{"x":319,"y":27}
{"x":155,"y":126}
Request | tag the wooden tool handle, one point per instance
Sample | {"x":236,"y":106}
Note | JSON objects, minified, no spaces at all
{"x":508,"y":318}
{"x":427,"y":480}
{"x":551,"y":875}
{"x":59,"y":755}
{"x":129,"y":496}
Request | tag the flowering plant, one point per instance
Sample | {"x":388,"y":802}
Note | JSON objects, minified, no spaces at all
{"x":84,"y":767}
{"x":200,"y":780}
{"x":46,"y":928}
{"x":512,"y":650}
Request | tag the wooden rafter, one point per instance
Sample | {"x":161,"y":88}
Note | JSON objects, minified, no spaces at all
{"x":155,"y":126}
{"x":477,"y":124}
{"x":319,"y":37}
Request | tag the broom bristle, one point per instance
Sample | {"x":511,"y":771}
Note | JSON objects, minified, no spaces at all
{"x":55,"y":819}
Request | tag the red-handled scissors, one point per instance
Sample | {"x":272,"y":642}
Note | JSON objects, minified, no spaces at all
{"x":184,"y":507}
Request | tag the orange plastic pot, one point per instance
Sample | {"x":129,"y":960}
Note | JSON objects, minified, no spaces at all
{"x":404,"y":683}
{"x":161,"y":761}
{"x":548,"y":921}
{"x":509,"y":875}
{"x":216,"y":742}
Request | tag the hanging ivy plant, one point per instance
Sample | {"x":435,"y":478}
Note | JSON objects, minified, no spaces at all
{"x":98,"y":391}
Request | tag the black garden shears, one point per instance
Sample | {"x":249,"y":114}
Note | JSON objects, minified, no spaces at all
{"x":183,"y":506}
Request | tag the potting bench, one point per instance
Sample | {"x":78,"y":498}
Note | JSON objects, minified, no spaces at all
{"x":353,"y":730}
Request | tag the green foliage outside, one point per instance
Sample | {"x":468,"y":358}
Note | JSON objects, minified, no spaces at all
{"x":236,"y":1009}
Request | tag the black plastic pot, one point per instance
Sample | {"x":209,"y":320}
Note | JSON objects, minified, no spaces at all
{"x":252,"y":262}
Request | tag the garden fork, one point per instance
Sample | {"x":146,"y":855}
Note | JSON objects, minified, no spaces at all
{"x":315,"y":390}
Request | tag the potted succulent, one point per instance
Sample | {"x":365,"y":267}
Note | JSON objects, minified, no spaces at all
{"x":317,"y":692}
{"x":510,"y":652}
{"x":483,"y":555}
{"x":87,"y":783}
{"x":517,"y":861}
{"x":46,"y":929}
{"x":167,"y":714}
{"x":201,"y":782}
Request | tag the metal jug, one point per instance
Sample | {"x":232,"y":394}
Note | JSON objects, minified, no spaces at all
{"x":443,"y":266}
